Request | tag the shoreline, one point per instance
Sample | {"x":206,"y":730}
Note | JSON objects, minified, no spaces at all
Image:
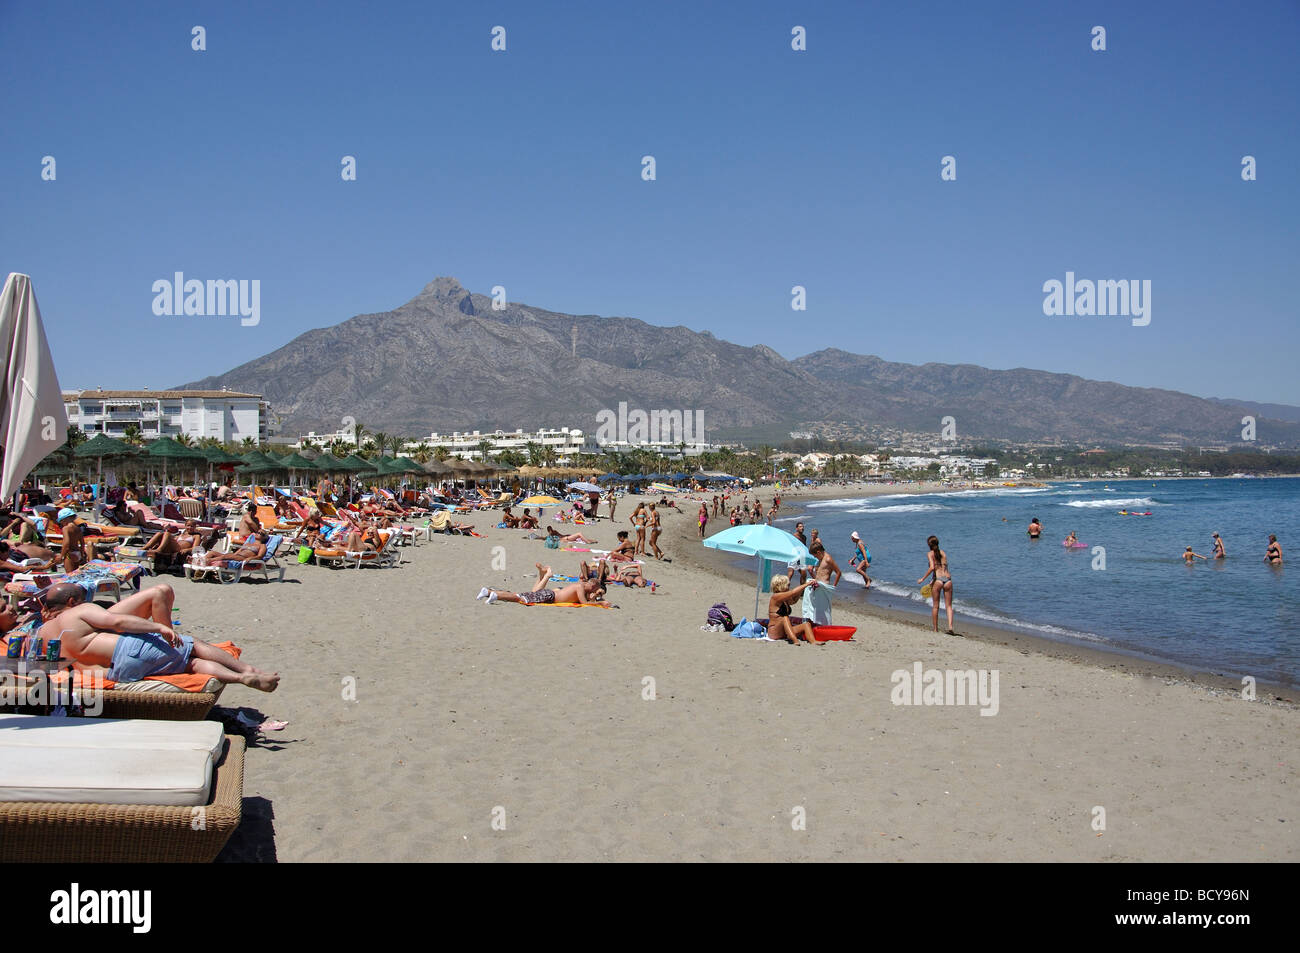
{"x":1113,"y":659}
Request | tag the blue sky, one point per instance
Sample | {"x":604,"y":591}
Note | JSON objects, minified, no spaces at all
{"x":775,"y":168}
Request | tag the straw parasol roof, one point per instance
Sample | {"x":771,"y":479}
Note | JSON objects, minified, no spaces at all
{"x":102,"y":445}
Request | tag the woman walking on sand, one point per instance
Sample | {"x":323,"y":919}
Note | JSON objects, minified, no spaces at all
{"x":942,"y":584}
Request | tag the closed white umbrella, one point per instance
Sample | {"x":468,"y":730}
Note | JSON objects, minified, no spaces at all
{"x":31,"y":406}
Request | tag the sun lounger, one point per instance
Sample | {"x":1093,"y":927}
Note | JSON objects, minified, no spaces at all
{"x":231,"y":574}
{"x":388,"y":554}
{"x":95,"y":831}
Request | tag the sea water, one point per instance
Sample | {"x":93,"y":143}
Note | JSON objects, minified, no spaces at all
{"x":1236,"y":616}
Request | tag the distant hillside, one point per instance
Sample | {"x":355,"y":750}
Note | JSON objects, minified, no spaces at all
{"x":1275,"y":411}
{"x":446,"y":361}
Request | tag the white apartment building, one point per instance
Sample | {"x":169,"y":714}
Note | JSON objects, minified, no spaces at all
{"x":566,"y":442}
{"x":227,"y":415}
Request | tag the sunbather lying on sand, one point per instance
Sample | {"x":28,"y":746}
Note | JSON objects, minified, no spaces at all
{"x":134,"y":639}
{"x":571,"y":538}
{"x":587,"y":592}
{"x":629,"y":574}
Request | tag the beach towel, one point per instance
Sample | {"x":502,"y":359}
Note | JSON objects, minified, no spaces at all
{"x":817,"y":605}
{"x":748,"y":630}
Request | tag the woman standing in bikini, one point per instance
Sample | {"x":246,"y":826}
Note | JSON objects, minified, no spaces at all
{"x":638,"y":523}
{"x":655,"y":530}
{"x":942,"y":582}
{"x":612,"y":501}
{"x":704,"y":518}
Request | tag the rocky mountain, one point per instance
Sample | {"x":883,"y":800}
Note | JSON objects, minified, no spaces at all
{"x":446,"y":360}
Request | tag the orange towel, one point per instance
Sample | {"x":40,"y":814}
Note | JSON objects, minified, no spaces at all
{"x":189,"y":681}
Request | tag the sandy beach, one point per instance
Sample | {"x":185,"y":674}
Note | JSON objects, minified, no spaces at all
{"x":511,"y":733}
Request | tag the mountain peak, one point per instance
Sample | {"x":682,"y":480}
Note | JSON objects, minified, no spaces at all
{"x":449,"y":290}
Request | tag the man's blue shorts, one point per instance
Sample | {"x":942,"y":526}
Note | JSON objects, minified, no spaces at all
{"x":139,"y":654}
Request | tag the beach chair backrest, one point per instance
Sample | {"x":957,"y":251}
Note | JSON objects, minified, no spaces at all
{"x":273,"y":544}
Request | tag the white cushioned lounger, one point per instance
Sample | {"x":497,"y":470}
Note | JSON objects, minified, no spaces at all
{"x":105,"y":775}
{"x":48,"y":732}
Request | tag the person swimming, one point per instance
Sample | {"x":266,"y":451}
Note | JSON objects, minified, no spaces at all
{"x":1190,"y":557}
{"x":1071,"y":539}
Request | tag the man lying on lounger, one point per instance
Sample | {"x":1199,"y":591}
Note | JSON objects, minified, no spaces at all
{"x":14,"y":559}
{"x":252,"y":548}
{"x":587,"y":592}
{"x":169,"y":543}
{"x":134,"y":639}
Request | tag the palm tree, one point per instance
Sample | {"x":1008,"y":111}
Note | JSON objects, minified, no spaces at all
{"x":381,"y":442}
{"x":534,"y":451}
{"x":441,"y":453}
{"x":184,"y":439}
{"x":75,"y":436}
{"x":248,"y":444}
{"x":359,"y":433}
{"x":483,"y":447}
{"x":132,"y":435}
{"x":548,"y":456}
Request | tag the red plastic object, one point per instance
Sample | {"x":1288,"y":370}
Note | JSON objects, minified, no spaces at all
{"x":834,"y":633}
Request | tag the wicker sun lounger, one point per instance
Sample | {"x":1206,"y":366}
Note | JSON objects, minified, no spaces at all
{"x":44,"y":832}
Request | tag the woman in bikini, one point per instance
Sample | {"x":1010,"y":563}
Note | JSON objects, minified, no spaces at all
{"x":571,"y":538}
{"x":655,"y":530}
{"x":704,"y":517}
{"x":638,"y":523}
{"x":778,"y":613}
{"x":625,"y":551}
{"x":1274,"y":552}
{"x":942,"y":582}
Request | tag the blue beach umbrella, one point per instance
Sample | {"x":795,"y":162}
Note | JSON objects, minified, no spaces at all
{"x":767,"y":542}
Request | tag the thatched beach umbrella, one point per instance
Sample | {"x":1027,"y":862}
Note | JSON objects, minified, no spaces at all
{"x":98,"y":447}
{"x":165,"y":449}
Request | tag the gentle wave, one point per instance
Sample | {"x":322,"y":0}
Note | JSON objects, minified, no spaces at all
{"x":996,"y":618}
{"x":1112,"y":504}
{"x":902,"y":508}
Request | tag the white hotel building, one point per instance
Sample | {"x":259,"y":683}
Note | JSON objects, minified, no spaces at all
{"x":565,"y":442}
{"x":227,"y":415}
